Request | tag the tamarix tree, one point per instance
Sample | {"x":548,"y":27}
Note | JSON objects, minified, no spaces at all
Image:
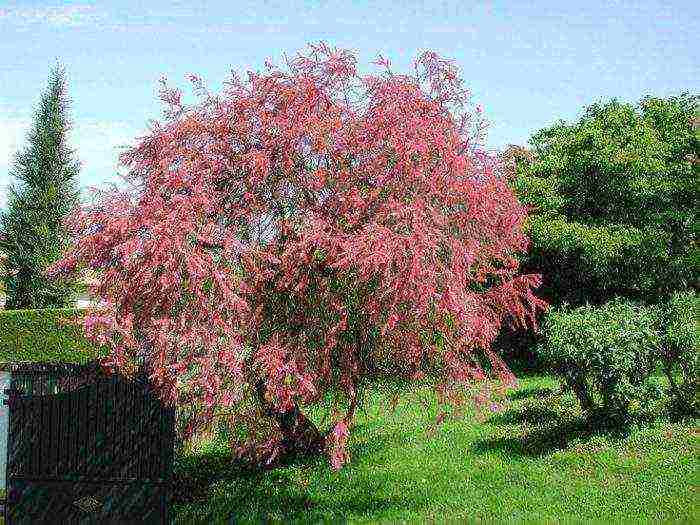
{"x":280,"y":236}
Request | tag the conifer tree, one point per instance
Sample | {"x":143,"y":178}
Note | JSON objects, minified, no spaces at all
{"x":42,"y":192}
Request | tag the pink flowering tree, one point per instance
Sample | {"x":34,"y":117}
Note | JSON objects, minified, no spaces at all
{"x":279,"y":238}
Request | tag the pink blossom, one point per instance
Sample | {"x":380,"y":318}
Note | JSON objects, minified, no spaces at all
{"x":210,"y":266}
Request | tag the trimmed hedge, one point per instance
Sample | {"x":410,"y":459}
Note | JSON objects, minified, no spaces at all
{"x":47,"y":335}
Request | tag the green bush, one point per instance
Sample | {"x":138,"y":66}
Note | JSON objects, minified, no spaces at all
{"x":681,"y":358}
{"x":50,"y":335}
{"x":614,"y":201}
{"x":583,"y":262}
{"x":608,"y":356}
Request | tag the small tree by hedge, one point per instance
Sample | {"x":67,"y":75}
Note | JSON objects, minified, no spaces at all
{"x":43,"y":192}
{"x":612,"y":357}
{"x":290,"y":228}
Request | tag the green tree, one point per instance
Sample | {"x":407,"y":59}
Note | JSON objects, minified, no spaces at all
{"x":614,"y":199}
{"x":43,"y":192}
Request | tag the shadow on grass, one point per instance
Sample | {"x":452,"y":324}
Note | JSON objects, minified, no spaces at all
{"x":544,"y":426}
{"x":212,"y":488}
{"x":535,"y":415}
{"x":194,"y":473}
{"x":539,"y":441}
{"x":272,"y":497}
{"x":526,"y":393}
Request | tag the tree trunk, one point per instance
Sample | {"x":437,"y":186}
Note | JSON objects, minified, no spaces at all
{"x":580,"y":391}
{"x":301,"y":437}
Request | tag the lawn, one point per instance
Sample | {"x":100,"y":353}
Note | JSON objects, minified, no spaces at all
{"x":536,"y":461}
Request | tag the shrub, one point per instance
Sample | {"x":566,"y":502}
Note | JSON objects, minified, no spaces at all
{"x":585,"y":262}
{"x":50,"y":335}
{"x":608,"y":356}
{"x":680,"y":352}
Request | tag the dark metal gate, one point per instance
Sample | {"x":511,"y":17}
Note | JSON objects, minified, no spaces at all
{"x":86,"y":447}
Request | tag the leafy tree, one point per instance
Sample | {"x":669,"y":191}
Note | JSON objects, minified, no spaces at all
{"x":286,"y":232}
{"x":32,"y":234}
{"x":614,"y":199}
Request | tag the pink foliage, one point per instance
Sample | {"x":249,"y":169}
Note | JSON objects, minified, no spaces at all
{"x":269,"y":229}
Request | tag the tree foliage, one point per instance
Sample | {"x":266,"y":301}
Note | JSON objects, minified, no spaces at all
{"x":624,"y":177}
{"x":43,"y":192}
{"x":282,"y":233}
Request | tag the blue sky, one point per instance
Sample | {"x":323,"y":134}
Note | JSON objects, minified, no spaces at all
{"x":527,"y":62}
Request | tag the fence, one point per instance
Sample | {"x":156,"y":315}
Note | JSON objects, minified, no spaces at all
{"x":86,"y":447}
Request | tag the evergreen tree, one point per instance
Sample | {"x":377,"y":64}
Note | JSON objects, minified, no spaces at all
{"x":43,"y":191}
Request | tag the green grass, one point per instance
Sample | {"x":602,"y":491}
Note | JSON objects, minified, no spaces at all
{"x":535,"y":462}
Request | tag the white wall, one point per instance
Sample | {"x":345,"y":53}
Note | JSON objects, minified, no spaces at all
{"x":4,"y":383}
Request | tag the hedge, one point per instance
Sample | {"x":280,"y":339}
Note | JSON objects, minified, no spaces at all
{"x":48,"y":335}
{"x":612,"y":356}
{"x":682,"y":351}
{"x":608,"y":356}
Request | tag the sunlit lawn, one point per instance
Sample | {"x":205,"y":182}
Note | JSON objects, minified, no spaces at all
{"x":535,"y":462}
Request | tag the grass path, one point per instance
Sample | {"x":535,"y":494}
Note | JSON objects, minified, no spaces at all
{"x":534,"y":462}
